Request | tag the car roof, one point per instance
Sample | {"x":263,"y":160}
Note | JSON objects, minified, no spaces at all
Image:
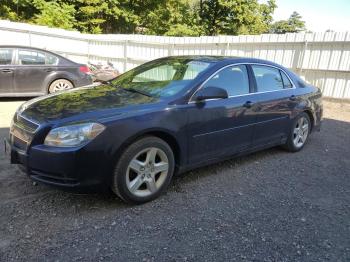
{"x":225,"y":59}
{"x":37,"y":49}
{"x":221,"y":61}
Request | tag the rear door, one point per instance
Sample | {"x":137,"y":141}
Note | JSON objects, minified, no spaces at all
{"x":31,"y":71}
{"x":6,"y":71}
{"x":275,"y":100}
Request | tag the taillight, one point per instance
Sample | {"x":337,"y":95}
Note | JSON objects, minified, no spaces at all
{"x":85,"y":69}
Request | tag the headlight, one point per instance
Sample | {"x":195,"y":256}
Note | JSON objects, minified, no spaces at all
{"x":73,"y":135}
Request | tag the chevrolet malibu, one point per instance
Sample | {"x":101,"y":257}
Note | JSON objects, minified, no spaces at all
{"x":166,"y":116}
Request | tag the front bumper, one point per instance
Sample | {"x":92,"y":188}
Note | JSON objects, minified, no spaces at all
{"x":69,"y":168}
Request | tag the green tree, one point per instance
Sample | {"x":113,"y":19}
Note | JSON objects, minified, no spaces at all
{"x":112,"y":16}
{"x":7,"y":13}
{"x":235,"y":16}
{"x":294,"y":24}
{"x":160,"y":17}
{"x":19,"y":10}
{"x":172,"y":17}
{"x":126,"y":16}
{"x":54,"y":14}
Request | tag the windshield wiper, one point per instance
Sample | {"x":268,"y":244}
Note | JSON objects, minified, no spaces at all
{"x":133,"y":90}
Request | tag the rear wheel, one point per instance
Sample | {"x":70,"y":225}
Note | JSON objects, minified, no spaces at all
{"x":60,"y":85}
{"x":299,"y":133}
{"x":144,"y":170}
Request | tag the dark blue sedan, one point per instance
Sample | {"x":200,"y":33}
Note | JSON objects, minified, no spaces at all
{"x":164,"y":117}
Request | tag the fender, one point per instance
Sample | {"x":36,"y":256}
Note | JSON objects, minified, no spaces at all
{"x":312,"y":105}
{"x":165,"y":134}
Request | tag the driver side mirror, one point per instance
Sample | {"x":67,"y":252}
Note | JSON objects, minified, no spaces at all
{"x":211,"y":92}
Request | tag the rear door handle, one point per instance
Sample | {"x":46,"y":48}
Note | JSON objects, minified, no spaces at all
{"x":48,"y":69}
{"x":248,"y":104}
{"x":6,"y":70}
{"x":292,"y":98}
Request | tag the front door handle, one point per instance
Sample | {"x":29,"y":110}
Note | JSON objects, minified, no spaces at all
{"x":6,"y":70}
{"x":292,"y":98}
{"x":248,"y":104}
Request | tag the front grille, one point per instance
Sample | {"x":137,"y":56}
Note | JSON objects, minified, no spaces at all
{"x":22,"y":131}
{"x":18,"y":143}
{"x":25,"y":123}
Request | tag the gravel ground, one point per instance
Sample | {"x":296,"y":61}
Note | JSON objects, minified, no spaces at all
{"x":268,"y":206}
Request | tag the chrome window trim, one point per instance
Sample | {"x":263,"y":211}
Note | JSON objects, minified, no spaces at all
{"x":190,"y":101}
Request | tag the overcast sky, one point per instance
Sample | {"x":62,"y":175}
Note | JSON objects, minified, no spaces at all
{"x":319,"y":15}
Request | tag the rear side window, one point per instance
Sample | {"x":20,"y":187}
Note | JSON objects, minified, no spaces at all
{"x":6,"y":56}
{"x":286,"y":81}
{"x":51,"y":59}
{"x":233,"y":79}
{"x":267,"y":78}
{"x":29,"y":57}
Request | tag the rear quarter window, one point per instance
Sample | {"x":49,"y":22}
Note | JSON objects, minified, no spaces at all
{"x":286,"y":82}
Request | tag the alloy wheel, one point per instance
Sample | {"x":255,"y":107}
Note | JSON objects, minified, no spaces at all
{"x":300,"y":132}
{"x":147,"y":172}
{"x":60,"y":86}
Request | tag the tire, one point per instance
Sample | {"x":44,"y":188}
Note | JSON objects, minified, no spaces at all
{"x":144,"y":170}
{"x":297,"y":137}
{"x":60,"y":85}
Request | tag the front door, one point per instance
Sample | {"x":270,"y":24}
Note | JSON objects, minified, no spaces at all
{"x":221,"y":127}
{"x":6,"y":71}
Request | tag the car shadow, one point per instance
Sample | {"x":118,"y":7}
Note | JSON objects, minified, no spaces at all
{"x":14,"y":183}
{"x":15,"y":99}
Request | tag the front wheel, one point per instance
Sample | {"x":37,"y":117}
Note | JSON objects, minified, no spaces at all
{"x":144,"y":170}
{"x":299,"y":133}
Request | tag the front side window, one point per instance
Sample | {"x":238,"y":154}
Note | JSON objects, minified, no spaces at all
{"x":267,"y":78}
{"x":233,"y":79}
{"x":6,"y":56}
{"x":162,"y":78}
{"x":29,"y":57}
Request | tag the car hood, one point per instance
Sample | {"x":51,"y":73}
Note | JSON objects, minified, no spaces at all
{"x":95,"y":101}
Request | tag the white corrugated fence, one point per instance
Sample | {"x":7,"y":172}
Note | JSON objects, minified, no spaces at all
{"x":322,"y":59}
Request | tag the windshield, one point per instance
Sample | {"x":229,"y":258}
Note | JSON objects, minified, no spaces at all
{"x":161,"y":78}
